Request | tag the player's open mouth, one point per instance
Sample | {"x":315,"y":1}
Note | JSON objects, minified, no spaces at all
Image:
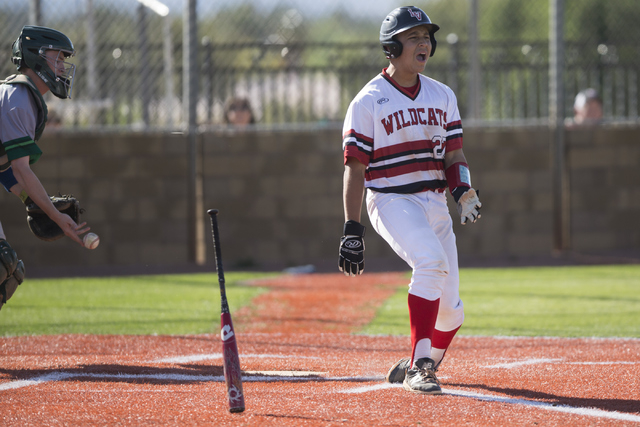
{"x":422,"y":57}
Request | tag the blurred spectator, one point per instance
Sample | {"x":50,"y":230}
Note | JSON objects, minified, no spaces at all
{"x":238,"y":112}
{"x":587,"y":108}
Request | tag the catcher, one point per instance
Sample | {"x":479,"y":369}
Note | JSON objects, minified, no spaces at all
{"x":39,"y":54}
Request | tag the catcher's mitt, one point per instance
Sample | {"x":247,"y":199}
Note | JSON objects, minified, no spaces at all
{"x":44,"y":227}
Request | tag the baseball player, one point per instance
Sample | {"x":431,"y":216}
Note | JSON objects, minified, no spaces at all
{"x":39,"y":54}
{"x":402,"y":142}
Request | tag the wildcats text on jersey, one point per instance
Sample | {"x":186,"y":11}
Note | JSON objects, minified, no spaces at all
{"x":402,"y":136}
{"x":414,"y":117}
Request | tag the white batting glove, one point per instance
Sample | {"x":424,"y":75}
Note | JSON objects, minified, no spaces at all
{"x":469,"y":206}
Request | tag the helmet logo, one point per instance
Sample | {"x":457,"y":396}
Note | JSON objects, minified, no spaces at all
{"x":42,"y":76}
{"x":416,"y":14}
{"x":393,"y":22}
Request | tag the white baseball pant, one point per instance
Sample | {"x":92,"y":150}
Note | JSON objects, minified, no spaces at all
{"x":418,"y":227}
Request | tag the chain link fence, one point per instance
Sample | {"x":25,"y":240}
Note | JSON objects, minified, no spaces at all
{"x":298,"y":61}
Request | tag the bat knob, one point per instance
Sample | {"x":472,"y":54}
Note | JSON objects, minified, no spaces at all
{"x":213,"y":212}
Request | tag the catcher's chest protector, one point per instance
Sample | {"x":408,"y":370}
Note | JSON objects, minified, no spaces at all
{"x":35,"y":93}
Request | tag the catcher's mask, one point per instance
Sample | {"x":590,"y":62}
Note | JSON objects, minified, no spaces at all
{"x":29,"y":50}
{"x":400,"y":20}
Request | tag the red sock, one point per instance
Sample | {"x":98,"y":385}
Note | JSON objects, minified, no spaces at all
{"x":422,"y":319}
{"x":442,"y":339}
{"x":440,"y":343}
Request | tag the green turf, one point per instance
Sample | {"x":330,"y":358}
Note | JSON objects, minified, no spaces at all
{"x":600,"y":301}
{"x":162,"y":304}
{"x":589,"y":301}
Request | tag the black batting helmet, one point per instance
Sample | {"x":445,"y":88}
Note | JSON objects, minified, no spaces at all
{"x":402,"y":19}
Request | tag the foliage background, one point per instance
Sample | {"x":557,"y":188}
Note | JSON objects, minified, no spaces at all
{"x":300,"y":61}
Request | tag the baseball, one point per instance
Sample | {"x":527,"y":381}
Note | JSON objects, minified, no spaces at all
{"x":91,"y":241}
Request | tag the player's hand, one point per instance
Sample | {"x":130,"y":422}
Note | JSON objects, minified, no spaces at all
{"x":351,"y":261}
{"x":71,"y":229}
{"x":469,"y":206}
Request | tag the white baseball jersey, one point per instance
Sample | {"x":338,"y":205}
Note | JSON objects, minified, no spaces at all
{"x":402,"y":137}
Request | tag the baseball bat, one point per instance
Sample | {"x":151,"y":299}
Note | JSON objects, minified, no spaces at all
{"x":230,"y":357}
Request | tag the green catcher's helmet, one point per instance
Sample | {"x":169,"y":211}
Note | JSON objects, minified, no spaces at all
{"x":29,"y":50}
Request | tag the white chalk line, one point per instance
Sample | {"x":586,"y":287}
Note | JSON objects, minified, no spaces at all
{"x":368,"y":388}
{"x":602,"y":363}
{"x":590,"y":412}
{"x":53,"y":376}
{"x":300,"y":376}
{"x":200,"y":357}
{"x":254,"y":376}
{"x":62,"y":376}
{"x":554,"y":361}
{"x":522,"y":363}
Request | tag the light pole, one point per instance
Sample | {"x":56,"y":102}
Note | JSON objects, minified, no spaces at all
{"x":163,"y":10}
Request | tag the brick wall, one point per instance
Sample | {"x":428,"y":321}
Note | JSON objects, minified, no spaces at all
{"x":280,"y":201}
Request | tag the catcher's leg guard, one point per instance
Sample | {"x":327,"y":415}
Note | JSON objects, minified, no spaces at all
{"x":9,"y":286}
{"x":11,"y":271}
{"x":8,"y":260}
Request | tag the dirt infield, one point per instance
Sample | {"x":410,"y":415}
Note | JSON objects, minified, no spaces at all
{"x":303,"y":367}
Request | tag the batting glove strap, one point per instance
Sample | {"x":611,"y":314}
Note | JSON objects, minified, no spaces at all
{"x":458,"y":192}
{"x":469,"y":206}
{"x":353,"y":228}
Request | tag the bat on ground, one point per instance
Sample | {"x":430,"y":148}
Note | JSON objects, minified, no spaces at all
{"x":230,"y":358}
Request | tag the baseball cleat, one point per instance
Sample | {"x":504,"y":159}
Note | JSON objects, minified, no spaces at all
{"x":421,"y":378}
{"x":398,"y":371}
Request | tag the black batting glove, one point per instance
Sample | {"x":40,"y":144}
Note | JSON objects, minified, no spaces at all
{"x":351,"y":261}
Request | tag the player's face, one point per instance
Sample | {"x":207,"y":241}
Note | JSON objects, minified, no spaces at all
{"x":55,"y":62}
{"x":416,"y":48}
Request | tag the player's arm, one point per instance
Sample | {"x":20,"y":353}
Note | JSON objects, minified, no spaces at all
{"x":455,"y":156}
{"x":353,"y":189}
{"x":459,"y":181}
{"x":34,"y":189}
{"x":351,"y":260}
